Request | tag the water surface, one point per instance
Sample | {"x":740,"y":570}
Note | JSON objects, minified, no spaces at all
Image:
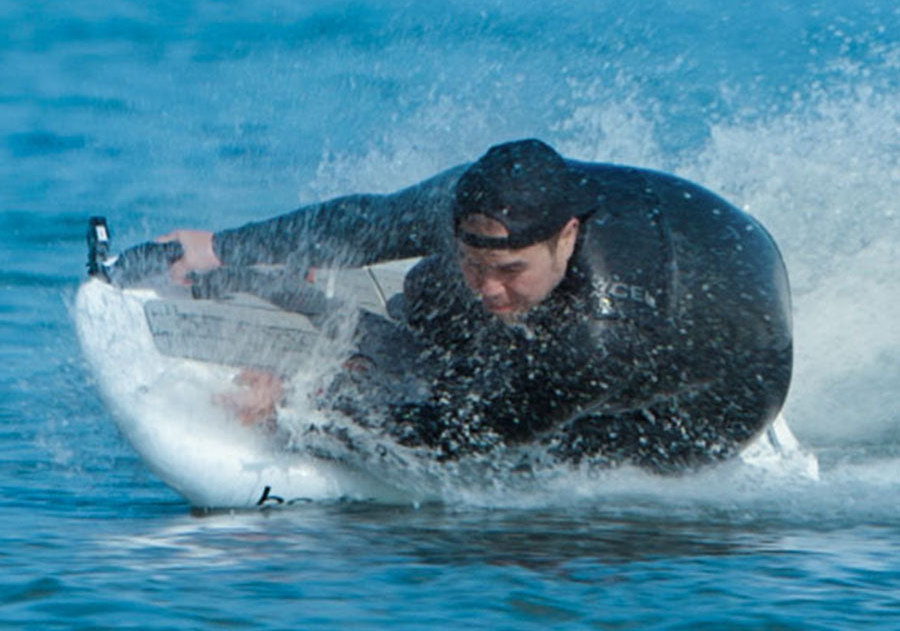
{"x":208,"y":114}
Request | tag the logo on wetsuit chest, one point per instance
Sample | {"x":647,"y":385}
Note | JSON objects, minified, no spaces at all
{"x":607,"y":291}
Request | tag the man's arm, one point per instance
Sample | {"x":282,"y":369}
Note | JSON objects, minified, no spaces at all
{"x":347,"y":231}
{"x":353,"y":230}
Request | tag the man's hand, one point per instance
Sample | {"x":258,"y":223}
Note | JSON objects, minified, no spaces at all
{"x":199,"y":255}
{"x":255,"y":402}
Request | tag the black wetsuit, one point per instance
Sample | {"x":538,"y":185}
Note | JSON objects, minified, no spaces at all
{"x":667,"y":344}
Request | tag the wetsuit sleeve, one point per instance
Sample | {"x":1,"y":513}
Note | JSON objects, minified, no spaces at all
{"x":352,"y":230}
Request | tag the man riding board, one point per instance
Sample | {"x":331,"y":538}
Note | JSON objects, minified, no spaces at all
{"x":609,"y":314}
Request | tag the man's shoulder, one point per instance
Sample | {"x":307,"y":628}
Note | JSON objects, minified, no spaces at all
{"x":629,"y":185}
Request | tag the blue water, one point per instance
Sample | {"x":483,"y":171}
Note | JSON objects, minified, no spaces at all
{"x":208,"y":114}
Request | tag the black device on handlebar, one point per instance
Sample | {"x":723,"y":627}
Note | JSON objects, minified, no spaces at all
{"x":135,"y":266}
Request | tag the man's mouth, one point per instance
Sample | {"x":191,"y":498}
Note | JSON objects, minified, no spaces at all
{"x":498,"y":308}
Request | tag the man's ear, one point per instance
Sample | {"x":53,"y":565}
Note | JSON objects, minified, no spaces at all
{"x":568,"y":236}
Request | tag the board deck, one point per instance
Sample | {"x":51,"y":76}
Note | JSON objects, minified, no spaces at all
{"x":244,"y":330}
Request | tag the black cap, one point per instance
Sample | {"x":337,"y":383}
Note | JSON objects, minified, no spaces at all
{"x":526,"y":186}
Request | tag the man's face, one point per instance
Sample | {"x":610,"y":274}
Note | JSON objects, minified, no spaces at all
{"x":510,"y":282}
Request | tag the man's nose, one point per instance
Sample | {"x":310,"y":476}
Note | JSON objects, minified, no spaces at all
{"x":490,"y":287}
